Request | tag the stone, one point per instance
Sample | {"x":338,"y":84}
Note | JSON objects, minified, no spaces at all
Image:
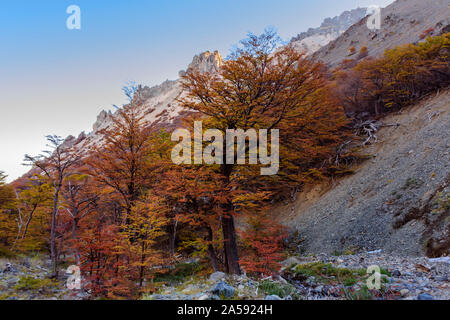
{"x":217,"y":276}
{"x":9,"y":268}
{"x":424,"y":296}
{"x":443,"y":278}
{"x":396,"y":273}
{"x":318,"y":289}
{"x":273,"y":297}
{"x":224,"y":289}
{"x":291,"y":261}
{"x":404,"y":292}
{"x":204,"y":297}
{"x":311,"y":280}
{"x":440,"y":260}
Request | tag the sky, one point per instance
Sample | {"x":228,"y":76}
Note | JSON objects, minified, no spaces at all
{"x":56,"y":81}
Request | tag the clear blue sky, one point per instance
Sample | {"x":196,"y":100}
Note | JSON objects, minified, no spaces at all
{"x":55,"y":81}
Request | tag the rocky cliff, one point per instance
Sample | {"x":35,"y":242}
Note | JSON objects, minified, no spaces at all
{"x":403,"y":22}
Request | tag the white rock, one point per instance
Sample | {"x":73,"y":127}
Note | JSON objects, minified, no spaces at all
{"x":217,"y":276}
{"x":443,"y":259}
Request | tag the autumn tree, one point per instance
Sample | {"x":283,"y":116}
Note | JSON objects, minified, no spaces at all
{"x":190,"y":197}
{"x":80,"y":199}
{"x":7,"y":227}
{"x":139,"y":238}
{"x":121,"y":162}
{"x":56,"y":164}
{"x":260,"y":86}
{"x":30,"y":199}
{"x":6,"y":192}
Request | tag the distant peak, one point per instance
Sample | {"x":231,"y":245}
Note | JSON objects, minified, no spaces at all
{"x":205,"y":62}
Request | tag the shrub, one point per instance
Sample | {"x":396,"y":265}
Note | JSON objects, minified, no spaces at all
{"x":403,"y":75}
{"x":364,"y":52}
{"x":263,"y":247}
{"x":352,"y":51}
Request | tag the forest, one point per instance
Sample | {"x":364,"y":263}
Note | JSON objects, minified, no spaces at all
{"x":127,"y":215}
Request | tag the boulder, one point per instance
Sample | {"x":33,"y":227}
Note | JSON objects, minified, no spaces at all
{"x":424,"y":296}
{"x":224,"y":289}
{"x":217,"y":276}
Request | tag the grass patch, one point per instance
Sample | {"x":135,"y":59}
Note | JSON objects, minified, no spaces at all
{"x":33,"y":284}
{"x":361,"y":294}
{"x":327,"y":273}
{"x":179,"y":274}
{"x":279,"y":289}
{"x":412,"y":183}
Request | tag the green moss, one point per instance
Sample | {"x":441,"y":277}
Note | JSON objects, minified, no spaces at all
{"x":30,"y":283}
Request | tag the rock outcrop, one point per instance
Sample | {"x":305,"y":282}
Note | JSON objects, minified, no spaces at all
{"x":331,"y":28}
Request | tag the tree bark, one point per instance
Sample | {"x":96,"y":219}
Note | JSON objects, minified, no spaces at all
{"x":230,"y":245}
{"x":173,"y":237}
{"x":74,"y":237}
{"x":211,"y":251}
{"x":53,"y":253}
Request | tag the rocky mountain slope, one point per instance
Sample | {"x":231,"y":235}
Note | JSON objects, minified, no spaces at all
{"x":331,"y":28}
{"x":397,"y":201}
{"x":402,"y":22}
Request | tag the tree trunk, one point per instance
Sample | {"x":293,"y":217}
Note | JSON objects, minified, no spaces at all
{"x":27,"y":224}
{"x":53,"y":253}
{"x":211,"y":251}
{"x":173,"y":237}
{"x":74,"y":237}
{"x":230,"y":245}
{"x":142,"y":268}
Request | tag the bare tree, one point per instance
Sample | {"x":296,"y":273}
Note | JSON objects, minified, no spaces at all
{"x":56,"y":164}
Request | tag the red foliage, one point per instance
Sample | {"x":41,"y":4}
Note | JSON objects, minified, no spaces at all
{"x":262,"y":246}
